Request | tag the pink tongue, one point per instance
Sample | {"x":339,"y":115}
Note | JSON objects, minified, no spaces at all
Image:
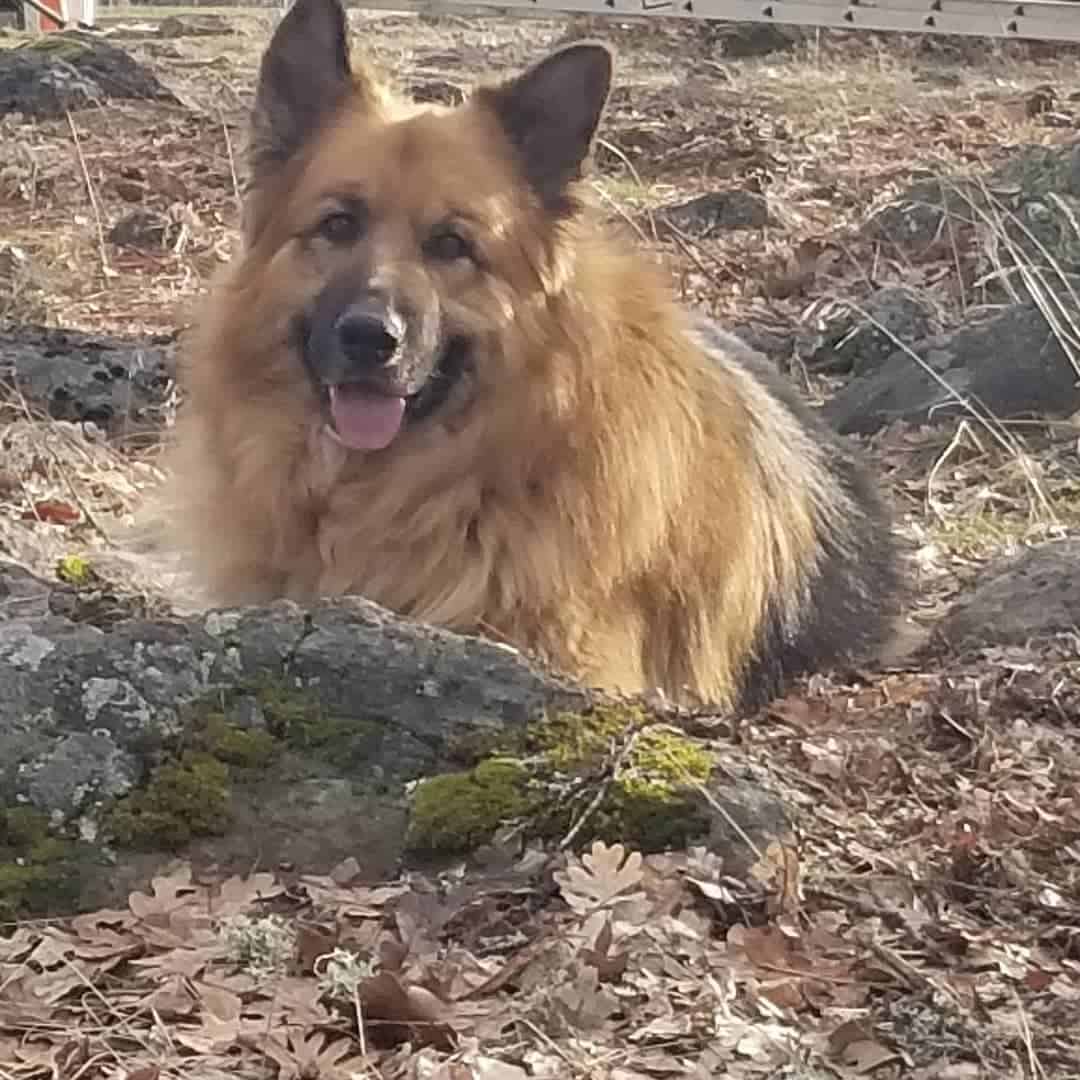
{"x":363,"y":420}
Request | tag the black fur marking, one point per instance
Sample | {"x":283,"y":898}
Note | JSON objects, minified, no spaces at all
{"x":453,"y":363}
{"x":857,"y":587}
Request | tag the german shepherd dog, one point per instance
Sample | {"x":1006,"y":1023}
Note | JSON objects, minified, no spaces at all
{"x":433,"y":378}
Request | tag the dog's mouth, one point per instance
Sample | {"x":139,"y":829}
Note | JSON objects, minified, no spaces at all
{"x":369,"y":414}
{"x":364,"y":417}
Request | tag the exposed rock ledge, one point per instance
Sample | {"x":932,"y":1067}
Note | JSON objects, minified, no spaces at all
{"x":259,"y":737}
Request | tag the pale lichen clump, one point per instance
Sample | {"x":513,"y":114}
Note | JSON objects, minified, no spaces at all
{"x":263,"y":947}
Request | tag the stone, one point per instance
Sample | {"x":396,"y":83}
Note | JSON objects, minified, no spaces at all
{"x":738,"y":41}
{"x":201,"y":24}
{"x":850,"y":343}
{"x":717,"y":210}
{"x":1035,"y":594}
{"x":1011,"y":363}
{"x":283,"y":736}
{"x":142,"y":230}
{"x":71,"y":70}
{"x":125,"y":387}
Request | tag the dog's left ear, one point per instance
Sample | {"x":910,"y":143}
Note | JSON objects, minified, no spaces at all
{"x":551,"y":112}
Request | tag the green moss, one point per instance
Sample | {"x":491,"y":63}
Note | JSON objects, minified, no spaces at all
{"x":654,"y":798}
{"x":286,"y":707}
{"x":182,"y":800}
{"x":653,"y":802}
{"x":671,"y":759}
{"x":241,"y":747}
{"x":575,"y":740}
{"x":296,"y":717}
{"x":324,"y":733}
{"x":22,"y":826}
{"x":457,"y":811}
{"x":38,"y":871}
{"x":74,"y":570}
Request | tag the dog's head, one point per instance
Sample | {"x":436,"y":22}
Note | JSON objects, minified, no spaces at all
{"x":408,"y":237}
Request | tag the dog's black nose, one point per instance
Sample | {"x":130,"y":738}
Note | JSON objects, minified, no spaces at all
{"x":369,"y":335}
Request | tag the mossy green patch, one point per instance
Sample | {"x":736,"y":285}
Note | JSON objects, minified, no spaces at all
{"x":298,"y":719}
{"x":182,"y":800}
{"x":573,"y":740}
{"x":457,"y":811}
{"x":74,"y":570}
{"x":653,"y":800}
{"x":38,"y":870}
{"x":240,"y":747}
{"x":654,"y":797}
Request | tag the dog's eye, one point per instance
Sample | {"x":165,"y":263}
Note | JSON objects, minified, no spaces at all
{"x":341,"y":228}
{"x":447,"y":246}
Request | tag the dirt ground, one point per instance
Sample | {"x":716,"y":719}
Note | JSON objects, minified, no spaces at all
{"x":927,"y":922}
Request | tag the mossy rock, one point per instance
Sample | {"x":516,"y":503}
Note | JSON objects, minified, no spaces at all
{"x":39,"y":871}
{"x":183,"y":800}
{"x":293,"y":718}
{"x":653,"y":802}
{"x":240,"y":747}
{"x":456,"y":812}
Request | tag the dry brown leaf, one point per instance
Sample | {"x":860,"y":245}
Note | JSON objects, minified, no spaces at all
{"x":585,"y":1003}
{"x":866,"y":1055}
{"x":610,"y":964}
{"x":188,"y":962}
{"x":172,"y":999}
{"x":237,"y":895}
{"x":312,"y":1056}
{"x":169,"y":892}
{"x":219,"y":1002}
{"x":312,"y":942}
{"x":600,"y":877}
{"x":144,"y":1072}
{"x":53,"y":512}
{"x":397,"y":1012}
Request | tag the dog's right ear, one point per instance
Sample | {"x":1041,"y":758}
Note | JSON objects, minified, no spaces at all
{"x":304,"y":77}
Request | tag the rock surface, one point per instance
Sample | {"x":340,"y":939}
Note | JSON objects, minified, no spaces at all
{"x":717,"y":210}
{"x":1011,"y":363}
{"x":72,"y":70}
{"x":277,"y":735}
{"x":123,"y":386}
{"x":853,"y":344}
{"x":1033,"y":595}
{"x":1021,"y":217}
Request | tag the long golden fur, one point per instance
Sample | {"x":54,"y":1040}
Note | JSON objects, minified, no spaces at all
{"x":611,"y":483}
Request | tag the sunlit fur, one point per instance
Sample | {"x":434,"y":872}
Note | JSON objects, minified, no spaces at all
{"x":614,"y":488}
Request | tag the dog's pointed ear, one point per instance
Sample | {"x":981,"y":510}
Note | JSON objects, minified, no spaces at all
{"x":304,"y":76}
{"x":551,"y":113}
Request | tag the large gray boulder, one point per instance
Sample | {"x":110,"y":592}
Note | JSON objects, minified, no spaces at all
{"x":278,"y":737}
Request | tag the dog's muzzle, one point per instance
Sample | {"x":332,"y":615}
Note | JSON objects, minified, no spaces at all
{"x":372,"y":371}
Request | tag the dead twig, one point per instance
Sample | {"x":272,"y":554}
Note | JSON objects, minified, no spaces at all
{"x":106,"y":270}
